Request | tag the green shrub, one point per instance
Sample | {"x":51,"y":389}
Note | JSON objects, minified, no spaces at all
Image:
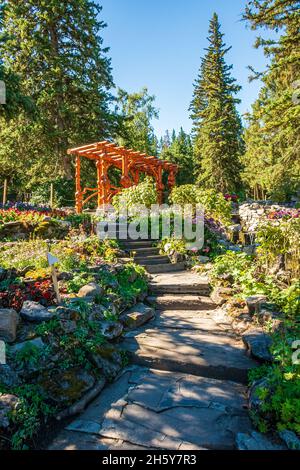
{"x":214,"y":203}
{"x":144,"y":193}
{"x":279,"y":393}
{"x":277,"y":238}
{"x":78,"y":281}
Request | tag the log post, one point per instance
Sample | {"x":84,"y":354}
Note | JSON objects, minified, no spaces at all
{"x":51,"y":195}
{"x":5,"y":192}
{"x":125,"y":179}
{"x":171,"y":180}
{"x":159,"y":185}
{"x":78,"y":194}
{"x":99,"y":183}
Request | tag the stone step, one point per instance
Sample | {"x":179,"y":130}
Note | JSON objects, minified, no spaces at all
{"x":211,"y":354}
{"x":185,"y":282}
{"x":131,"y":245}
{"x":154,"y":409}
{"x":201,"y":320}
{"x":152,"y":260}
{"x":146,"y":251}
{"x":183,"y":302}
{"x":165,"y":268}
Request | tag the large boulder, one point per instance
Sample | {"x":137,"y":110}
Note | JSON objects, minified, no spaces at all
{"x":35,"y":312}
{"x":137,"y":316}
{"x":9,"y":320}
{"x":66,"y":387}
{"x":8,"y":403}
{"x":109,"y":360}
{"x":256,"y":441}
{"x":111,"y":330}
{"x":91,"y":291}
{"x":254,"y":303}
{"x":36,"y":343}
{"x":258,"y":344}
{"x":8,"y":377}
{"x":290,"y":439}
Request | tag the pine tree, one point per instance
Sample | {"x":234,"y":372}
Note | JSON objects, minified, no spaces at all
{"x":56,"y":50}
{"x":217,"y":127}
{"x":272,"y":159}
{"x":179,"y":150}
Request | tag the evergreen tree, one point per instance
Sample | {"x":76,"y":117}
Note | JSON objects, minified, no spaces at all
{"x":56,"y":50}
{"x":179,"y":150}
{"x":137,"y":111}
{"x":217,"y":128}
{"x":272,"y":159}
{"x":15,"y":101}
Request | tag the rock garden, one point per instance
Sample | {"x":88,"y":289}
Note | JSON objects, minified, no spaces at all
{"x":59,"y":355}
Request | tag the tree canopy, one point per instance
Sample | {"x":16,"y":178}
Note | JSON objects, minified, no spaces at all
{"x":272,"y":159}
{"x":217,"y":128}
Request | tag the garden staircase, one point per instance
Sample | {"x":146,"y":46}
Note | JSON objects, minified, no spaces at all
{"x":185,"y":387}
{"x":145,"y":253}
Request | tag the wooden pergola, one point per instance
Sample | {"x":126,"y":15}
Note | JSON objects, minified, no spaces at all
{"x":107,"y":154}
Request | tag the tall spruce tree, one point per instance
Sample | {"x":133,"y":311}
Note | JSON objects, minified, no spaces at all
{"x":179,"y":150}
{"x":55,"y":48}
{"x":217,"y":127}
{"x":272,"y":159}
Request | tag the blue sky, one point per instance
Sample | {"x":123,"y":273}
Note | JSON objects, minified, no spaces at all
{"x":159,"y":44}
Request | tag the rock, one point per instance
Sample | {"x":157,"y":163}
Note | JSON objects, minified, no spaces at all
{"x":227,"y":277}
{"x":66,"y":387}
{"x":258,"y":344}
{"x":9,"y":320}
{"x":68,"y":326}
{"x":249,"y":249}
{"x":256,"y":441}
{"x":137,"y":316}
{"x":8,"y":403}
{"x":3,"y":274}
{"x":65,"y":276}
{"x":254,"y":303}
{"x":64,"y":223}
{"x":90,"y":290}
{"x":204,"y":259}
{"x":235,"y":228}
{"x":220,"y":295}
{"x":8,"y":377}
{"x":256,"y":403}
{"x":142,"y":296}
{"x":65,"y":313}
{"x":109,"y":360}
{"x":35,"y":312}
{"x":111,"y":330}
{"x":36,"y":343}
{"x":234,"y":248}
{"x":290,"y":439}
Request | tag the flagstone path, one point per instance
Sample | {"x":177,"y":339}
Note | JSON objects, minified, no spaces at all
{"x":186,"y":386}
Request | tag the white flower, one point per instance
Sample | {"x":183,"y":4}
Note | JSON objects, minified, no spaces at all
{"x":167,"y":247}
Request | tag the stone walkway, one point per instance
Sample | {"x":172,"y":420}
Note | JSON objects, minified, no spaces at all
{"x":186,"y":386}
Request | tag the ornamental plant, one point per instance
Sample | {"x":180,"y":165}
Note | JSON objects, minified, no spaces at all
{"x":214,"y":203}
{"x":143,"y":193}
